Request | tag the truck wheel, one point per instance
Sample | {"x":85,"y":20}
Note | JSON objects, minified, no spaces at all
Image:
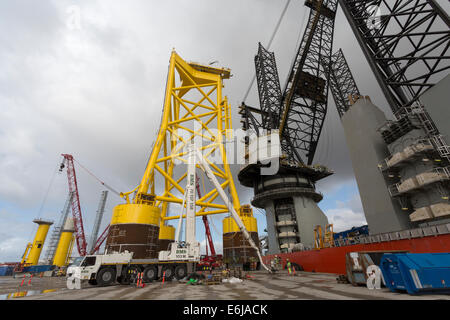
{"x":168,"y":269}
{"x":106,"y":277}
{"x":128,"y":274}
{"x":150,"y":273}
{"x":180,"y":272}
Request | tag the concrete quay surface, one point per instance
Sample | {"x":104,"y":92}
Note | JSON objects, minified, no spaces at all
{"x":263,"y":286}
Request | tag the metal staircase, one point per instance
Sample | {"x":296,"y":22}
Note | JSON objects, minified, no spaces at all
{"x":54,"y":238}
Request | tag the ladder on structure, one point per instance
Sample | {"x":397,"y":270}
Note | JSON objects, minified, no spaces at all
{"x":438,"y":140}
{"x":98,"y":220}
{"x":426,"y":121}
{"x":54,"y":238}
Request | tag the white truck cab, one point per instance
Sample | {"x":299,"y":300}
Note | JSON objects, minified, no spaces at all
{"x":98,"y":268}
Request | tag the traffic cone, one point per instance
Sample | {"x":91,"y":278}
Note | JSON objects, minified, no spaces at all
{"x":23,"y":280}
{"x":29,"y":281}
{"x":164,"y":277}
{"x":141,"y":283}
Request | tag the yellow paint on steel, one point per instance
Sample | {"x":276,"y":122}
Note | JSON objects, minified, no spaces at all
{"x":166,"y":232}
{"x":199,"y":214}
{"x":69,"y":253}
{"x":229,"y":225}
{"x":62,"y":251}
{"x":135,"y":213}
{"x":38,"y":242}
{"x":194,"y":109}
{"x":25,"y":254}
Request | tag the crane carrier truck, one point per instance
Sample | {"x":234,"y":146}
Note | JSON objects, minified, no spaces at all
{"x":177,"y":262}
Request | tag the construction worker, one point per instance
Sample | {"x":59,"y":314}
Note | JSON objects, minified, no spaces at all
{"x":272,"y":265}
{"x":288,"y":266}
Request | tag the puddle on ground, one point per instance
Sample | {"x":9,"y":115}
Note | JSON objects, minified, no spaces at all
{"x":22,"y":294}
{"x":320,"y":280}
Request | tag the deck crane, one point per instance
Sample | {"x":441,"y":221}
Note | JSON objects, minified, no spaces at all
{"x":296,"y":115}
{"x":297,"y":112}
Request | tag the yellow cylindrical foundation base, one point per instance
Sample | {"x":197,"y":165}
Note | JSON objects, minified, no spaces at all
{"x":62,"y":250}
{"x":166,"y":236}
{"x":166,"y":232}
{"x":236,"y":249}
{"x":135,"y":227}
{"x":38,"y":242}
{"x":229,"y":225}
{"x":136,"y":213}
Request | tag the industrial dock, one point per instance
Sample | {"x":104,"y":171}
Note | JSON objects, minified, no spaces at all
{"x":324,"y":187}
{"x":263,"y":286}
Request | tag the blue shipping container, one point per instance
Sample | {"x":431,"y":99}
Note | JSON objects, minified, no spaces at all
{"x":416,"y":272}
{"x":38,"y":268}
{"x":6,"y":271}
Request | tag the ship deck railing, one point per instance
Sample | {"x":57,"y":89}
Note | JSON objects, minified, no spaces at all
{"x":420,"y":181}
{"x":420,"y":232}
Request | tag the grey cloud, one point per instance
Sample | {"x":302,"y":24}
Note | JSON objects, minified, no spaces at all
{"x":98,"y":92}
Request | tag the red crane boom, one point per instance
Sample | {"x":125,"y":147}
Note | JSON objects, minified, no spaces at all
{"x":76,"y":208}
{"x":207,"y":230}
{"x":101,"y":239}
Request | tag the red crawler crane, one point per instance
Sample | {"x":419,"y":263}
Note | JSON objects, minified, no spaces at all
{"x":100,"y":240}
{"x":76,"y":208}
{"x":208,"y":260}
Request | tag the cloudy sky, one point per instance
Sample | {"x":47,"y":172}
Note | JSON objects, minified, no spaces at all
{"x":87,"y":78}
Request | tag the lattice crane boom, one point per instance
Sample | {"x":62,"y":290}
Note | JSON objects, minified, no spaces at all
{"x":304,"y":104}
{"x":342,"y":83}
{"x":299,"y":111}
{"x":101,"y":239}
{"x":76,"y":207}
{"x":406,"y":44}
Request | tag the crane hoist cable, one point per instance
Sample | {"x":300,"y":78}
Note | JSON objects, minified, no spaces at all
{"x":47,"y":192}
{"x":268,"y":46}
{"x":214,"y":227}
{"x":33,"y":230}
{"x":106,"y":186}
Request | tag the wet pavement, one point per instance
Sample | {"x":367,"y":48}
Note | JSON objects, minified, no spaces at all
{"x":263,"y":286}
{"x":11,"y":285}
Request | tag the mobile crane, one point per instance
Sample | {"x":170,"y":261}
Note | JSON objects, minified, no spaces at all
{"x":208,"y":260}
{"x":181,"y":257}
